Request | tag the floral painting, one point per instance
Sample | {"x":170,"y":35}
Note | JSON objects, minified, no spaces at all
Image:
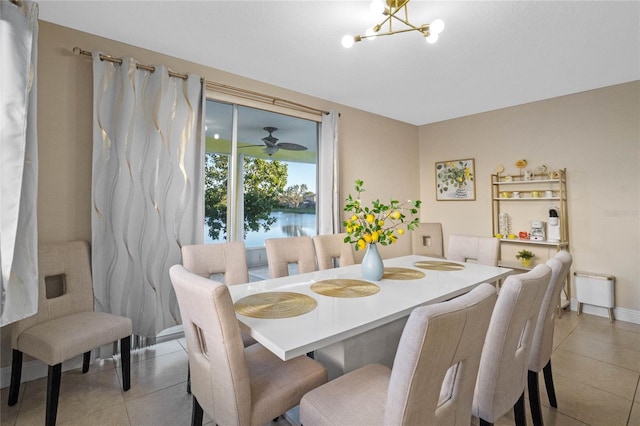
{"x":455,"y":180}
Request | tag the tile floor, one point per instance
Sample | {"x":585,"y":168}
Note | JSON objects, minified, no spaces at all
{"x":596,"y":369}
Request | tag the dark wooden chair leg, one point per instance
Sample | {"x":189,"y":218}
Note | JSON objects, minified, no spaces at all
{"x":125,"y":356}
{"x":188,"y":379}
{"x":534,"y":398}
{"x":519,"y":412}
{"x":86,"y":359}
{"x":548,"y":381}
{"x":16,"y":376}
{"x":196,"y":413}
{"x":53,"y":393}
{"x":485,"y":423}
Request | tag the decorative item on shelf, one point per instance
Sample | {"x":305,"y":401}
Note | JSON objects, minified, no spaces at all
{"x":505,"y":194}
{"x":554,"y":174}
{"x":528,"y":174}
{"x":535,"y":194}
{"x":524,"y":235}
{"x":515,"y":194}
{"x":390,"y":9}
{"x":541,"y":169}
{"x":455,"y":180}
{"x":504,"y":224}
{"x":508,"y":178}
{"x":521,"y":164}
{"x":378,"y":224}
{"x":524,"y":256}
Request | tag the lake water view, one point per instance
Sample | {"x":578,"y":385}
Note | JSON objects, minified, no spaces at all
{"x":287,"y":225}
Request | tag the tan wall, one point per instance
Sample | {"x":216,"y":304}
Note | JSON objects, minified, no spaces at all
{"x":65,"y":132}
{"x":595,"y":135}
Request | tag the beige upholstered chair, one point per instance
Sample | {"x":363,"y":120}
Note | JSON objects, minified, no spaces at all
{"x":433,"y":374}
{"x":229,"y":259}
{"x":330,"y":247}
{"x":233,"y":384}
{"x":505,"y":355}
{"x":427,"y":240}
{"x":66,"y":324}
{"x":483,"y":250}
{"x":542,"y":345}
{"x":283,"y":251}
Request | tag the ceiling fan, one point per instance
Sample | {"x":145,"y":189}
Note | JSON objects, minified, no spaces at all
{"x":272,"y":145}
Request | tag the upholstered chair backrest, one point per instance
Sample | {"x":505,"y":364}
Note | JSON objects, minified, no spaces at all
{"x":283,"y":251}
{"x":330,"y":248}
{"x":542,"y":344}
{"x":219,"y":375}
{"x":436,"y":365}
{"x":503,"y":366}
{"x":228,"y":258}
{"x":427,"y":240}
{"x":483,"y":250}
{"x":65,"y":286}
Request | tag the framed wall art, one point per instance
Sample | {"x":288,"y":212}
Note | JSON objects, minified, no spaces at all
{"x":455,"y":180}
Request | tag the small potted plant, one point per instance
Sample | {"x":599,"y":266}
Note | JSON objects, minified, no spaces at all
{"x":525,"y":257}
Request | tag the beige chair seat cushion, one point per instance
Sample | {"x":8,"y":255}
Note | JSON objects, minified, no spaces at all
{"x":277,"y":386}
{"x":63,"y":338}
{"x":365,"y":407}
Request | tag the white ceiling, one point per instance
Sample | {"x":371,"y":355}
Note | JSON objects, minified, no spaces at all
{"x":491,"y":55}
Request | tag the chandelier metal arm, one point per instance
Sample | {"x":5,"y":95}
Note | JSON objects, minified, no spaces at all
{"x":359,"y":37}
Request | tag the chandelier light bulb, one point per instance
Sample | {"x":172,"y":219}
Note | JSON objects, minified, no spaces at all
{"x":377,"y":7}
{"x":432,"y":38}
{"x":436,"y":26}
{"x":370,"y":34}
{"x":348,"y":41}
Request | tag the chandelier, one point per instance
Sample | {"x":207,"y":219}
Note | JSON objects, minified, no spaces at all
{"x":391,"y":10}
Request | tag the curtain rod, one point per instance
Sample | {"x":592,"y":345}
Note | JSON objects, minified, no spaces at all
{"x":247,"y":94}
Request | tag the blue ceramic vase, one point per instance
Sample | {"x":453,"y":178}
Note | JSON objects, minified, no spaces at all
{"x":372,"y":266}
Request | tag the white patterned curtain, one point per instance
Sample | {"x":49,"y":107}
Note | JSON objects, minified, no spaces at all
{"x":328,"y":184}
{"x":18,"y":160}
{"x":147,"y":188}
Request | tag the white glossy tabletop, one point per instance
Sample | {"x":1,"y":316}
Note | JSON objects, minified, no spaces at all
{"x":335,"y":319}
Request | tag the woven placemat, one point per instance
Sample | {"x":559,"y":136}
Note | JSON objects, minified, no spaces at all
{"x":275,"y":304}
{"x":344,"y":288}
{"x":438,"y":265}
{"x":402,"y":274}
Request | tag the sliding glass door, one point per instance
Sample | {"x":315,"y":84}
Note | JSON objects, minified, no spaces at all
{"x":260,"y":174}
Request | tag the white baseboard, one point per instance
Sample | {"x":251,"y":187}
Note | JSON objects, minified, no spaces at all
{"x":32,"y":370}
{"x":621,"y":314}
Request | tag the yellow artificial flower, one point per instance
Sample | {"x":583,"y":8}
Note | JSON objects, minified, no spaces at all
{"x":400,"y":231}
{"x":369,"y":225}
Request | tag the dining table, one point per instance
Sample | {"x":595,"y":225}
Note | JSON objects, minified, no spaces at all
{"x":344,"y":320}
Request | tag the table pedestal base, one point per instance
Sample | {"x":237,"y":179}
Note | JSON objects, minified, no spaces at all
{"x":374,"y":346}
